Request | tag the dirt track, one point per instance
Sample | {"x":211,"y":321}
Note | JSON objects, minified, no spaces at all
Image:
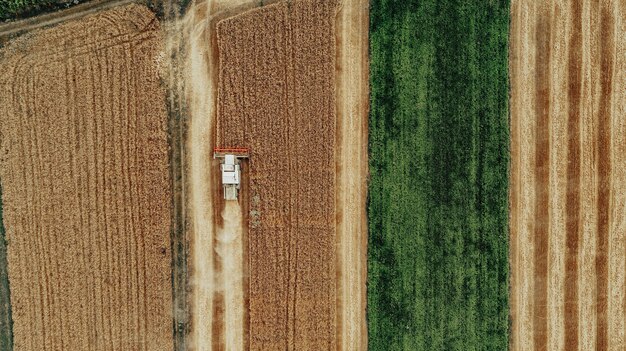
{"x":197,"y":86}
{"x":86,"y":188}
{"x":568,"y":175}
{"x":351,"y":166}
{"x":229,"y":250}
{"x":199,"y":92}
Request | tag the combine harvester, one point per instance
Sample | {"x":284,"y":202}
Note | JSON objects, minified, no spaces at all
{"x":230,"y":165}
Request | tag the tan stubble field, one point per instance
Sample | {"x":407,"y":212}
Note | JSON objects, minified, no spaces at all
{"x":568,"y":175}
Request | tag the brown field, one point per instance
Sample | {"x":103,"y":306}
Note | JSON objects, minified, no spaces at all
{"x":86,"y":188}
{"x":568,"y":175}
{"x":276,"y":95}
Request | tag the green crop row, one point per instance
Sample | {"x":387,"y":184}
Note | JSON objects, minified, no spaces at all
{"x":438,"y":193}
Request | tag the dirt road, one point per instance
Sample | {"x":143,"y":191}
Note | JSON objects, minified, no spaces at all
{"x":198,"y":88}
{"x":568,"y":175}
{"x":86,"y":188}
{"x":229,"y":250}
{"x":351,"y":167}
{"x":199,"y":92}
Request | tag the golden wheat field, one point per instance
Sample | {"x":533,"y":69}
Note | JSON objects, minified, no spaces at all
{"x":276,"y":96}
{"x":86,"y":189}
{"x":117,"y":234}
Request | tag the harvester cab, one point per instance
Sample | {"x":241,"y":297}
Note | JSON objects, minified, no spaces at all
{"x":230,"y":167}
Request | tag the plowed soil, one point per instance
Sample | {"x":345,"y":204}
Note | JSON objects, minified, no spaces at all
{"x":276,"y":95}
{"x":86,"y":188}
{"x":568,"y":175}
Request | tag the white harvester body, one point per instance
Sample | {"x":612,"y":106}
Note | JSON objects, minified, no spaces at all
{"x":230,"y":168}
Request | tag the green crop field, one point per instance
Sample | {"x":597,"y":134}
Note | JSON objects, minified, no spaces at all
{"x":438,"y":193}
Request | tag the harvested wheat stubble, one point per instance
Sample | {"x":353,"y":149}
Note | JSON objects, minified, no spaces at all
{"x":276,"y":95}
{"x":86,"y":185}
{"x":568,"y":175}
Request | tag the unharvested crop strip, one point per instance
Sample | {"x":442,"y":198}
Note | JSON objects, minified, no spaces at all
{"x":87,"y":185}
{"x":437,"y":255}
{"x":276,"y":96}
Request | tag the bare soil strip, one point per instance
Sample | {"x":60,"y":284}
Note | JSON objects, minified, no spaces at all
{"x":229,"y":249}
{"x":199,"y":92}
{"x":583,"y":193}
{"x":86,"y":185}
